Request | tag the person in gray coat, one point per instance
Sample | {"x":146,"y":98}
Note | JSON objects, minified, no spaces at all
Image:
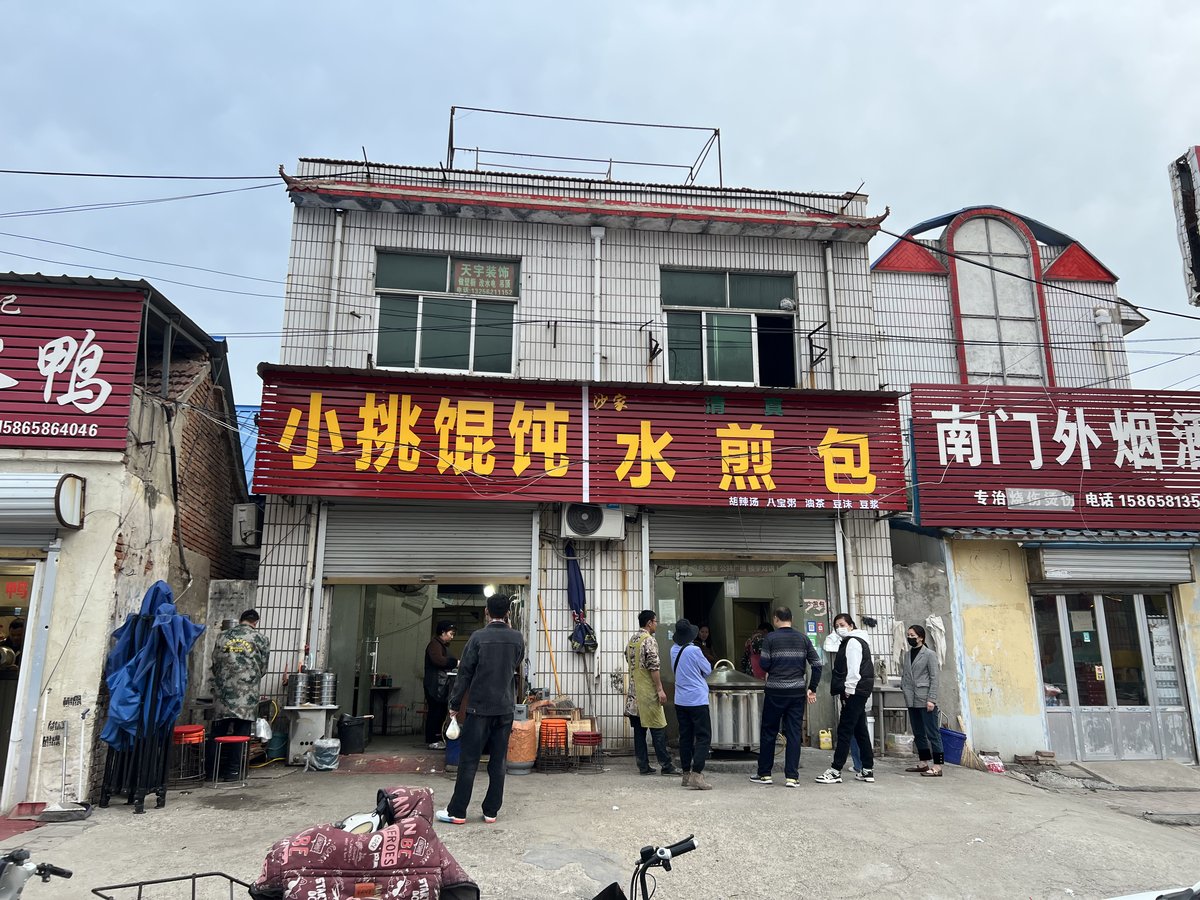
{"x":919,"y":682}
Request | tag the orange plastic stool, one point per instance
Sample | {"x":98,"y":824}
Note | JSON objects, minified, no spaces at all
{"x":187,"y":756}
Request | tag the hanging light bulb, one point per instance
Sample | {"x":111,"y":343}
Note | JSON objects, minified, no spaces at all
{"x":488,"y":590}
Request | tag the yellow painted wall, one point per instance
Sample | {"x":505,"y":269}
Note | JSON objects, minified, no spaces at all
{"x":1189,"y":633}
{"x":989,"y":588}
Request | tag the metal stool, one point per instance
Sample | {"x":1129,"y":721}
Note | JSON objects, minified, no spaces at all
{"x":187,"y":756}
{"x":243,"y":741}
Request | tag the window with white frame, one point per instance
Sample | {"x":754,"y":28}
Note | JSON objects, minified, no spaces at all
{"x":443,"y":313}
{"x":730,"y":327}
{"x":998,"y":308}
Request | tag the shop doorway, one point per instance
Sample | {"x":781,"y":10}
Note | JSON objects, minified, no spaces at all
{"x":378,"y":634}
{"x":1112,"y":678}
{"x":16,"y":593}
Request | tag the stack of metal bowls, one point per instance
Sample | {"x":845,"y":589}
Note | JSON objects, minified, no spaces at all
{"x":297,"y":689}
{"x":322,"y":689}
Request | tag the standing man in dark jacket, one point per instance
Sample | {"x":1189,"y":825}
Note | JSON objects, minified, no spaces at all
{"x":786,"y":655}
{"x":853,"y":680}
{"x":488,"y":669}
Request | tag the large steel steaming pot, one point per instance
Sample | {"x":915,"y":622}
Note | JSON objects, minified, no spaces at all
{"x":736,"y":703}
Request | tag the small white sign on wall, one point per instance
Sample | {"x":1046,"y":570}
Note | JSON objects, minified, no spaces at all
{"x":733,"y":587}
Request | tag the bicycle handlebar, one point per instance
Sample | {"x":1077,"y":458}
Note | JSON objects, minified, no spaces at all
{"x":687,"y":845}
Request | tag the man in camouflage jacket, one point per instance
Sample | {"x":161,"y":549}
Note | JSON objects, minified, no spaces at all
{"x":239,"y":662}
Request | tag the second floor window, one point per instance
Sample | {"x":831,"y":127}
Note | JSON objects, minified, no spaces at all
{"x":729,"y":328}
{"x":439,"y":313}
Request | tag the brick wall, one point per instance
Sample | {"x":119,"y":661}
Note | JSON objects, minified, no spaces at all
{"x":208,"y":481}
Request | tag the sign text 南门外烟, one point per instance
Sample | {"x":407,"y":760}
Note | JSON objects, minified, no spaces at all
{"x":502,"y":439}
{"x":1055,"y":457}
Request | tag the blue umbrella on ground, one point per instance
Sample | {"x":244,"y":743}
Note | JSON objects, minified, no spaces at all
{"x":583,"y":638}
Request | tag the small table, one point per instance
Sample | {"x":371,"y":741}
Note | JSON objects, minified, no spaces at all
{"x":384,"y":692}
{"x":883,"y":699}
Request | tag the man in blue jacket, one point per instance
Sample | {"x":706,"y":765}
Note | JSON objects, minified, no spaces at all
{"x":786,"y":655}
{"x":488,"y":669}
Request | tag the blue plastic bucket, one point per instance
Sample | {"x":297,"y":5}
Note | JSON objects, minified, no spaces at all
{"x":952,"y":745}
{"x":452,"y":750}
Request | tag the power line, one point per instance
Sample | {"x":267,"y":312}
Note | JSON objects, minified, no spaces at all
{"x":91,"y":207}
{"x":140,"y":177}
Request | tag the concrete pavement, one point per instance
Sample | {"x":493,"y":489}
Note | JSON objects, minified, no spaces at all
{"x":969,"y":834}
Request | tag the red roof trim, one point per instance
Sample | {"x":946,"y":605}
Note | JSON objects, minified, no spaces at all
{"x":908,"y":256}
{"x":1076,"y":264}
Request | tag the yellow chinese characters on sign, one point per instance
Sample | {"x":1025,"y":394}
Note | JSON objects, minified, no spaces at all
{"x":646,"y":450}
{"x":546,"y":432}
{"x":387,"y":427}
{"x":848,"y":457}
{"x":469,"y":422}
{"x":312,"y":432}
{"x":746,"y":457}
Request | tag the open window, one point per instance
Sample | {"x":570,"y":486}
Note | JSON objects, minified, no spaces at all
{"x":730,"y":328}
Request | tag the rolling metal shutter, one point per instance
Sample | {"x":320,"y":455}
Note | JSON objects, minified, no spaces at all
{"x":742,"y":533}
{"x":1153,"y":565}
{"x":379,"y":542}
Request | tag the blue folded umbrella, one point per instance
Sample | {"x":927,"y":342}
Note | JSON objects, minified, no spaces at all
{"x":583,"y":638}
{"x":146,"y":670}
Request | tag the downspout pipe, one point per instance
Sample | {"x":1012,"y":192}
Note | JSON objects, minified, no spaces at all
{"x":597,"y":239}
{"x":1104,"y":322}
{"x":335,"y":282}
{"x":835,"y":358}
{"x":845,"y":577}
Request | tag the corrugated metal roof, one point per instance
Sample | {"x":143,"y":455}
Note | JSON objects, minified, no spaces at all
{"x":534,"y":179}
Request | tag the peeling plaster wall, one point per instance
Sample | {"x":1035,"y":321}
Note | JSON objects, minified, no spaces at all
{"x":1000,"y":676}
{"x":1188,"y":611}
{"x":922,"y":590}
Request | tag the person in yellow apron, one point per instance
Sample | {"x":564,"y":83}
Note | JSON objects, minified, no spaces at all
{"x":645,"y":698}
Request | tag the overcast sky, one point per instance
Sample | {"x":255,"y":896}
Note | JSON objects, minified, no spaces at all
{"x":1068,"y":112}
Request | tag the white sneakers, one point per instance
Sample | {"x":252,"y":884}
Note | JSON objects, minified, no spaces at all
{"x":438,"y":745}
{"x":833,"y":776}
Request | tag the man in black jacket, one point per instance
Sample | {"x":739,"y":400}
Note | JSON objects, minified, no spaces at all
{"x":489,"y":664}
{"x":787,"y":655}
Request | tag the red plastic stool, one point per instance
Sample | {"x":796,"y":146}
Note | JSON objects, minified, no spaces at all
{"x":187,"y":756}
{"x":239,"y":739}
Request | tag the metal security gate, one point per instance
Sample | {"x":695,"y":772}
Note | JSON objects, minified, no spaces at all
{"x":381,"y":543}
{"x":1112,"y":678}
{"x":742,"y":533}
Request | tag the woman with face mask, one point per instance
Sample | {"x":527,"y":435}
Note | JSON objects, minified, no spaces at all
{"x":919,"y":682}
{"x":853,"y":679}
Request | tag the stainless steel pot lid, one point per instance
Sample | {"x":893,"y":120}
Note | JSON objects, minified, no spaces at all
{"x":724,"y":675}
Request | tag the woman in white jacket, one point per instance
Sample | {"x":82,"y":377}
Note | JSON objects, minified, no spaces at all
{"x":919,"y":682}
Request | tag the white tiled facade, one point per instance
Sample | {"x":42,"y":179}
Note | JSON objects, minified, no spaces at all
{"x":554,"y":339}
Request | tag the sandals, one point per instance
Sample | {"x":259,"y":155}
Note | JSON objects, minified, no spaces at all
{"x":930,"y":773}
{"x":922,"y":769}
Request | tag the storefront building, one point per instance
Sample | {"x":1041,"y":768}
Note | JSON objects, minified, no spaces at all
{"x":92,"y":512}
{"x":1059,"y":508}
{"x":478,"y":368}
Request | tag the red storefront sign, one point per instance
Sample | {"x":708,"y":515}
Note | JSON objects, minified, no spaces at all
{"x":1056,"y":458}
{"x":420,"y":438}
{"x":67,"y":358}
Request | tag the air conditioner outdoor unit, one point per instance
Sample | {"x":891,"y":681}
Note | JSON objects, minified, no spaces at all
{"x":588,"y":521}
{"x":247,"y":525}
